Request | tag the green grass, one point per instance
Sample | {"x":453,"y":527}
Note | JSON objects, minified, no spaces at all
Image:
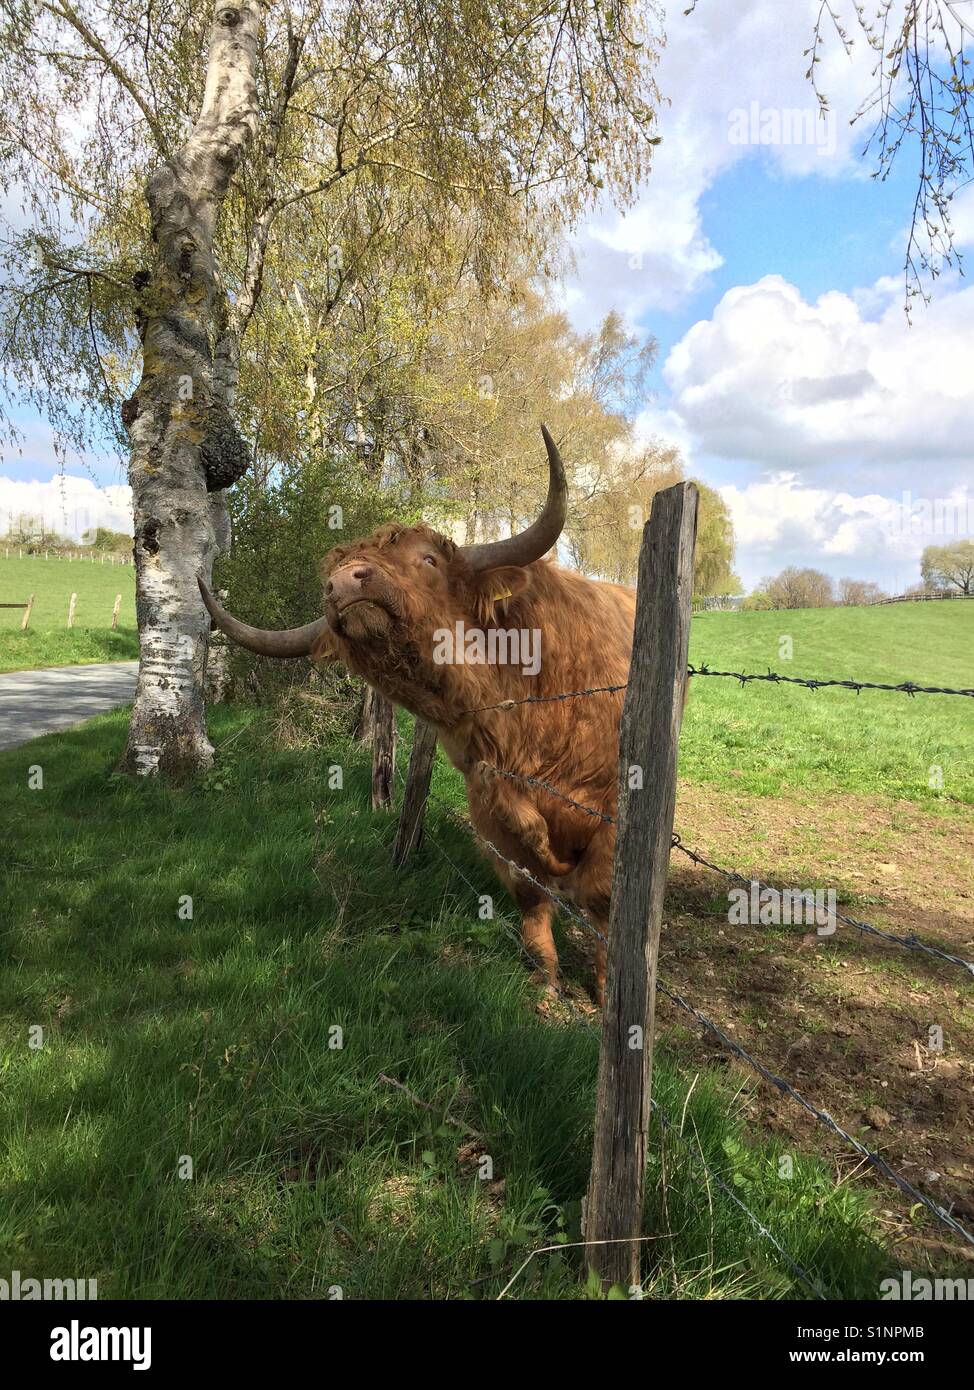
{"x":210,"y":1038}
{"x":48,"y":641}
{"x":769,"y":738}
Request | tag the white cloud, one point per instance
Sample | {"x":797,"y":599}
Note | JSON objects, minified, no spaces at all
{"x":962,"y":217}
{"x":727,"y":69}
{"x":68,"y":505}
{"x":818,"y":389}
{"x":659,"y":422}
{"x":779,"y":522}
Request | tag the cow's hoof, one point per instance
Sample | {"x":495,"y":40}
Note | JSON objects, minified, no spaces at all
{"x":551,"y":995}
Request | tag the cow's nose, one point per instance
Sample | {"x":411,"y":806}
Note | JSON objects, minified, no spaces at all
{"x":347,"y":581}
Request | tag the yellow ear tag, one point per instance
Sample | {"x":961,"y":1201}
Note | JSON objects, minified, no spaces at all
{"x":502,"y":593}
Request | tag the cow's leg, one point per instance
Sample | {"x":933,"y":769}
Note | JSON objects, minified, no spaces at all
{"x":537,"y":916}
{"x":523,"y":819}
{"x":592,"y":888}
{"x":537,"y":909}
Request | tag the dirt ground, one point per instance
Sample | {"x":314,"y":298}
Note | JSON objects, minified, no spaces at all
{"x":846,"y":1019}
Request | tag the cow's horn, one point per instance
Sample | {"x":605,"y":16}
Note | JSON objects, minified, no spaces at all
{"x":292,"y":641}
{"x":540,"y":536}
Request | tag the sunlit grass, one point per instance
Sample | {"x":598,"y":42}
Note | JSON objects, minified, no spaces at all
{"x":48,"y":640}
{"x":769,"y":738}
{"x":212,"y":1038}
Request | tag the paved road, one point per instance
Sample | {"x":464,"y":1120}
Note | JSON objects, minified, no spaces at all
{"x":38,"y":702}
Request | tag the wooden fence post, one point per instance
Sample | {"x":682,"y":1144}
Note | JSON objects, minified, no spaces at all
{"x":27,"y":612}
{"x":648,"y":745}
{"x":377,"y":725}
{"x":118,"y":604}
{"x":71,"y":606}
{"x":383,"y":754}
{"x":365,"y":725}
{"x":418,"y":780}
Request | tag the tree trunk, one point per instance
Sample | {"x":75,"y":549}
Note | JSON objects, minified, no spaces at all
{"x":185,"y":448}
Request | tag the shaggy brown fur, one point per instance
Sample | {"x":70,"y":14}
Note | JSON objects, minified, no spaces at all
{"x":385,"y":598}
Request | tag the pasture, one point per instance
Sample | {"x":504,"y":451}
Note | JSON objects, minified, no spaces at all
{"x":355,"y":1158}
{"x":767,"y":739}
{"x":48,"y":641}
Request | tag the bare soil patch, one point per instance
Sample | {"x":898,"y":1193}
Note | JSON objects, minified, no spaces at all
{"x":846,"y":1019}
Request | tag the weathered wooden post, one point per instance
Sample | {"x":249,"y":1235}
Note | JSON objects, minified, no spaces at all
{"x":377,"y":726}
{"x":418,"y":780}
{"x":648,"y":743}
{"x":118,"y":604}
{"x":383,"y":755}
{"x":28,"y":609}
{"x":71,"y":607}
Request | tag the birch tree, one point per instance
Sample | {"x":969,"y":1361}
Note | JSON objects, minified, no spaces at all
{"x":172,"y":180}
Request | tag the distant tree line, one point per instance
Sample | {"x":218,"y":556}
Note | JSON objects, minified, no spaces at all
{"x":31,"y":533}
{"x":942,"y":568}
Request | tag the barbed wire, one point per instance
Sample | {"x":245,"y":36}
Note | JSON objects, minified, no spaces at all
{"x":911,"y":942}
{"x":546,"y":786}
{"x":696,"y":1157}
{"x":779,"y":1082}
{"x":904,"y":687}
{"x":743,"y":677}
{"x":694,"y":1150}
{"x":786,"y":1088}
{"x":547,"y":699}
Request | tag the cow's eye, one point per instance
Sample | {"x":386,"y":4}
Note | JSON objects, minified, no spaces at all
{"x":430,"y":560}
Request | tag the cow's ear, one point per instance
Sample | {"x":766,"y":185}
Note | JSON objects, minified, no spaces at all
{"x":495,"y":588}
{"x":325,"y":649}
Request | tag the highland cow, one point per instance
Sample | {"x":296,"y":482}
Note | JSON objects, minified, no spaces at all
{"x":390,"y":602}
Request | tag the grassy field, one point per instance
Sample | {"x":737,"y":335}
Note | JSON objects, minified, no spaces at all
{"x":766,"y":738}
{"x":48,"y":640}
{"x":213,"y":1038}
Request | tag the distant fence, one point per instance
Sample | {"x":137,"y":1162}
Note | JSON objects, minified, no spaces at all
{"x":71,"y":556}
{"x":28,"y":609}
{"x":72,"y":609}
{"x":918,"y":598}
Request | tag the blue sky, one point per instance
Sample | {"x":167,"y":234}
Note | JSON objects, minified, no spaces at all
{"x":768,"y":265}
{"x":819,"y":233}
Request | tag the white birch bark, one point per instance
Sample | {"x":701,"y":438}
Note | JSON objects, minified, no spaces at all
{"x":178,"y":421}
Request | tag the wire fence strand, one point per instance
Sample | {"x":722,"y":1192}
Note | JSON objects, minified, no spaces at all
{"x":779,"y":1082}
{"x":743,"y":678}
{"x":910,"y":942}
{"x":904,"y":687}
{"x":694,"y":1150}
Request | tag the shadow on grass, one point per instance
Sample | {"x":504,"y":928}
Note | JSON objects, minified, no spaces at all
{"x":224,"y":975}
